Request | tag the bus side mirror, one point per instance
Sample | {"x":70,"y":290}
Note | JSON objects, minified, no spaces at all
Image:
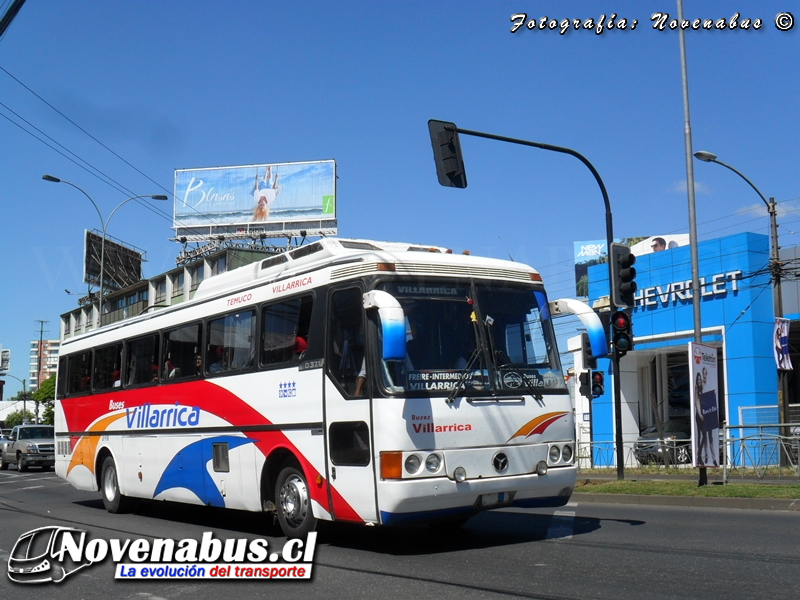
{"x":393,"y":323}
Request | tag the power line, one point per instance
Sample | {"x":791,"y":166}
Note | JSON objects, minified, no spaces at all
{"x":108,"y":179}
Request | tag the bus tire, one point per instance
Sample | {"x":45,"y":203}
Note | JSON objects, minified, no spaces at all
{"x":113,"y":500}
{"x":293,"y":503}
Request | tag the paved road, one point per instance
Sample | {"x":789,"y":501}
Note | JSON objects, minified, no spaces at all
{"x":584,"y":550}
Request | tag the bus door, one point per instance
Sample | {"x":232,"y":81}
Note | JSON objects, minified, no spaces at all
{"x":347,"y":408}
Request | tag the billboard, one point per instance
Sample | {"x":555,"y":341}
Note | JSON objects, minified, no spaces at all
{"x":122,"y":266}
{"x":587,"y":254}
{"x":592,"y":252}
{"x":781,"y":346}
{"x":705,"y":405}
{"x":268,"y":199}
{"x":659,"y":243}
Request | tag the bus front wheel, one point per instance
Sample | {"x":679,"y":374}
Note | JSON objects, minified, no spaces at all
{"x":293,"y":504}
{"x":113,"y":500}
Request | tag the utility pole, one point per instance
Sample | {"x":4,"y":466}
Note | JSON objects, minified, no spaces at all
{"x":39,"y":363}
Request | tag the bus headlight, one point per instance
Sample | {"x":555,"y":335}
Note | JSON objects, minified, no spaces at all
{"x":460,"y":474}
{"x":433,"y":462}
{"x":541,"y":468}
{"x":412,"y":464}
{"x":566,"y":453}
{"x":554,"y":454}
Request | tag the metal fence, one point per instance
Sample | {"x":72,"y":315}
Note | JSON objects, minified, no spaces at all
{"x":760,"y":451}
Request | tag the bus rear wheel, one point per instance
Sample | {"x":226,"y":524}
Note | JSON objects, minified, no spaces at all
{"x":113,"y":500}
{"x":293,"y":504}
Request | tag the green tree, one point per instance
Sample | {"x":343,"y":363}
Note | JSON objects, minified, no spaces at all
{"x":582,"y":287}
{"x":15,"y":418}
{"x":46,"y":393}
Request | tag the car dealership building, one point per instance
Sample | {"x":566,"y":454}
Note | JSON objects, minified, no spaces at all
{"x":736,"y":318}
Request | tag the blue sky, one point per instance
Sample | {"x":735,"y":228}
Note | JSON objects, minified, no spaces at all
{"x":175,"y":85}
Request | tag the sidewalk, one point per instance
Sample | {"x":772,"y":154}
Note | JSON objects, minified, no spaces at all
{"x":690,"y":501}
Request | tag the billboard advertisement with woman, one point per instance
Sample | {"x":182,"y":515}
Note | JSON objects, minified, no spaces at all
{"x":705,"y":405}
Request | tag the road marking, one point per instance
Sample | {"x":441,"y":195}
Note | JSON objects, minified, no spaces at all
{"x":561,"y":525}
{"x":33,"y":487}
{"x":22,"y":478}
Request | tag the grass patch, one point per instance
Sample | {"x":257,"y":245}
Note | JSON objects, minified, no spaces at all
{"x":687,"y":488}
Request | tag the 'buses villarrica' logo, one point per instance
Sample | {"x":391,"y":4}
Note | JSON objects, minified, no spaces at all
{"x":537,"y":425}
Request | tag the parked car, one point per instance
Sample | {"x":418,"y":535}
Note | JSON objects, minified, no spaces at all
{"x":29,"y":445}
{"x":650,"y":447}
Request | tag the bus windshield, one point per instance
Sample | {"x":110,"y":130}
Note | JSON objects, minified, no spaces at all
{"x":482,"y":337}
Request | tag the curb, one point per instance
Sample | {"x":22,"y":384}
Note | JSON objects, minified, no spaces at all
{"x":784,"y":504}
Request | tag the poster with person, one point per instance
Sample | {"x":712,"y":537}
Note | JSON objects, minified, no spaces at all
{"x":781,"y":345}
{"x":705,"y":405}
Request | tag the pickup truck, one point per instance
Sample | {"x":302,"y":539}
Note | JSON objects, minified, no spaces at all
{"x":29,"y":445}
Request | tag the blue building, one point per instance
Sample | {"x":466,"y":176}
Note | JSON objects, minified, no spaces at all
{"x":736,"y":318}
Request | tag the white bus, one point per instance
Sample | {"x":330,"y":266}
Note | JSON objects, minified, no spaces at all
{"x":345,"y":380}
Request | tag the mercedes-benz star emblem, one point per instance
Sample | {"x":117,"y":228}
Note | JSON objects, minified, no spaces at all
{"x":500,"y":462}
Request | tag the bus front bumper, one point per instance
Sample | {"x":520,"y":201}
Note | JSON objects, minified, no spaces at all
{"x":410,"y":500}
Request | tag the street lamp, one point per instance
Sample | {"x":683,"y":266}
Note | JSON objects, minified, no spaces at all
{"x":104,"y":226}
{"x":775,"y":265}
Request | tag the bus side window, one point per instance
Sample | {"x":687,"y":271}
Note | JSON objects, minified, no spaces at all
{"x":231,"y":342}
{"x":107,"y":361}
{"x":181,"y":349}
{"x":61,"y":378}
{"x":346,"y":338}
{"x":79,"y":372}
{"x":142,"y":360}
{"x":284,"y":330}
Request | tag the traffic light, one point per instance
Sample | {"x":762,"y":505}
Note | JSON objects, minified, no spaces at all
{"x":2,"y":383}
{"x":598,"y":384}
{"x":589,"y":361}
{"x":622,"y":284}
{"x":447,"y":154}
{"x":585,"y":380}
{"x":621,"y":333}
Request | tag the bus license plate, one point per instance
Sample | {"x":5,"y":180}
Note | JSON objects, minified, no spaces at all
{"x":495,"y":499}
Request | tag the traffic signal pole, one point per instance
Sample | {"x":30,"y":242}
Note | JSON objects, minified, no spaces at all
{"x":458,"y":179}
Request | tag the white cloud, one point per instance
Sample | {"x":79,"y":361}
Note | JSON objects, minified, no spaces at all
{"x":699,"y":187}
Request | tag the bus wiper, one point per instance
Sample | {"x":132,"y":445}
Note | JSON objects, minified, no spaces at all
{"x":499,"y":356}
{"x":463,"y":378}
{"x":483,"y":336}
{"x":504,"y":362}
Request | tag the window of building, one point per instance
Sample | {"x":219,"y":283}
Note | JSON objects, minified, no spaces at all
{"x":177,"y":284}
{"x":161,"y":290}
{"x":284,"y":330}
{"x":219,"y":265}
{"x":107,"y":367}
{"x":231,"y":342}
{"x":182,"y":353}
{"x":197,"y":276}
{"x":142,"y":360}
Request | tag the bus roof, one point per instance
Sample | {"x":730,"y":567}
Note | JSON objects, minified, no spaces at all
{"x":353,"y":257}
